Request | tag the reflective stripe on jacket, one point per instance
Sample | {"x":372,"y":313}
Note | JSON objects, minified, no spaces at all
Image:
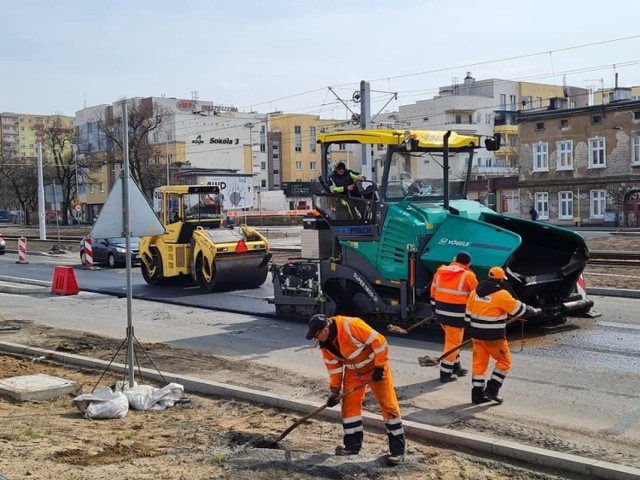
{"x":362,"y":349}
{"x":340,"y":182}
{"x":487,"y":315}
{"x":450,"y":291}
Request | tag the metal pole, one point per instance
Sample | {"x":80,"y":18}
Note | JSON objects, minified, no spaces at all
{"x":41,"y":206}
{"x":127,"y":235}
{"x":167,"y":153}
{"x":55,"y":203}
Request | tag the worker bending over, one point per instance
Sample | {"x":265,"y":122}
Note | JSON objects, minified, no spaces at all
{"x":353,"y":352}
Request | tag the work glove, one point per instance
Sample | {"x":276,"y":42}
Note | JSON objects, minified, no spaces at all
{"x":334,"y":397}
{"x":378,"y":374}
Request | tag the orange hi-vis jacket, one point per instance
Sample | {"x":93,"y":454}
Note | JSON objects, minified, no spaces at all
{"x":487,"y":311}
{"x":361,"y":349}
{"x":450,"y":289}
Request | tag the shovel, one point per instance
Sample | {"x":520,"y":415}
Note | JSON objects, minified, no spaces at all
{"x":396,"y":329}
{"x":428,"y":361}
{"x":320,"y":408}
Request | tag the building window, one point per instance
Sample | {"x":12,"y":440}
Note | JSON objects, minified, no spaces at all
{"x":263,"y":165}
{"x":539,"y":102}
{"x":312,"y":139}
{"x":312,"y":165}
{"x":597,"y":157}
{"x":635,"y":151}
{"x":92,"y":188}
{"x":564,"y":123}
{"x":539,"y":126}
{"x":597,"y":202}
{"x":298,"y":165}
{"x":101,"y":186}
{"x":636,"y":115}
{"x":596,"y":119}
{"x":564,"y":155}
{"x":503,"y":101}
{"x":541,"y":204}
{"x":541,"y":157}
{"x":298,"y":138}
{"x":565,"y":205}
{"x":263,"y":183}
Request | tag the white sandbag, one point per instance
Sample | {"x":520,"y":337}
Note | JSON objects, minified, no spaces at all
{"x":104,"y":403}
{"x":146,"y":397}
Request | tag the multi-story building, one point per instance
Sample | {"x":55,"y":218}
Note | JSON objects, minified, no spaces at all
{"x":483,"y":108}
{"x":294,"y":155}
{"x":582,"y":165}
{"x":192,"y":133}
{"x":21,"y":132}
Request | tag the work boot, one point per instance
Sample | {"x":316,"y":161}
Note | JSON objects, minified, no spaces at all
{"x":459,"y":371}
{"x":447,"y":378}
{"x":344,"y":451}
{"x":478,"y":396}
{"x":394,"y":459}
{"x":493,"y":387}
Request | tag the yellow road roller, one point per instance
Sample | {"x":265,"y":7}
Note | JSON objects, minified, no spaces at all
{"x":197,"y":247}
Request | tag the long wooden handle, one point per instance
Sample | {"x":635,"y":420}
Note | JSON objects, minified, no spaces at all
{"x":321,"y":408}
{"x":421,"y":322}
{"x":468,"y":341}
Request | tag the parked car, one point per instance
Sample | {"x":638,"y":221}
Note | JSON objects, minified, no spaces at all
{"x":111,"y":251}
{"x":5,"y":216}
{"x":3,"y":245}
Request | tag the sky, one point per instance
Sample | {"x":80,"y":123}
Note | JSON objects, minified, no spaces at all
{"x":58,"y":57}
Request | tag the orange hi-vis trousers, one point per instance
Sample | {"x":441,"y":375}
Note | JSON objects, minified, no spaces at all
{"x":483,"y":351}
{"x":385,"y":394}
{"x":452,"y":338}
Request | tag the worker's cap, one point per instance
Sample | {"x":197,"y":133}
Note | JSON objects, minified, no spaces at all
{"x":464,"y":258}
{"x":497,"y":273}
{"x":340,"y":165}
{"x":316,"y":323}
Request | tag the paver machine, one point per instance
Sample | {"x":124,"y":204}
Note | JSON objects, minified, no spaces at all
{"x":373,"y":254}
{"x":195,"y":247}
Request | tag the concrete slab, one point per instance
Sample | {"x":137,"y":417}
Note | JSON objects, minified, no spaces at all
{"x":37,"y":387}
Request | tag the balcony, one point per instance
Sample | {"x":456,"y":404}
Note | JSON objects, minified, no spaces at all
{"x":506,"y":129}
{"x":495,"y":171}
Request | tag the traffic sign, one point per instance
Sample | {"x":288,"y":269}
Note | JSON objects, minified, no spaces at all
{"x":78,"y":208}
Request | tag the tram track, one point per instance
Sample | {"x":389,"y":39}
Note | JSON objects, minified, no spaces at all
{"x":604,"y":258}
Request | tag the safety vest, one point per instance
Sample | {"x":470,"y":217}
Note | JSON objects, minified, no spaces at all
{"x":487,"y":315}
{"x":450,"y":291}
{"x":361,"y":348}
{"x":340,"y":182}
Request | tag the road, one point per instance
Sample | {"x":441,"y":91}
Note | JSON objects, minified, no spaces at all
{"x":559,"y":394}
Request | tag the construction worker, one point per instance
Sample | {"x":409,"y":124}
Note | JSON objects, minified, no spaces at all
{"x":353,"y":352}
{"x":487,"y":311}
{"x":450,"y":289}
{"x":343,"y":180}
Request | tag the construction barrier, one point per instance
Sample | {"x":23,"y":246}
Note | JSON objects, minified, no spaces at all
{"x":22,"y":250}
{"x":88,"y":253}
{"x":64,"y":281}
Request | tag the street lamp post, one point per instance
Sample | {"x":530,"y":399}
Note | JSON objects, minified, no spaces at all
{"x":168,"y":160}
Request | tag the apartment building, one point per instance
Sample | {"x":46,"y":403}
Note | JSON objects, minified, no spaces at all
{"x":191,"y":133}
{"x":20,"y":133}
{"x":582,"y":165}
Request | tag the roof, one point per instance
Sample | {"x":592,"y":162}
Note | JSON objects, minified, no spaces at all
{"x":426,"y":138}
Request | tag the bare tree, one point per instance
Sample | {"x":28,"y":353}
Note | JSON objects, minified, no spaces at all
{"x":144,"y":119}
{"x":59,"y":140}
{"x":19,"y":180}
